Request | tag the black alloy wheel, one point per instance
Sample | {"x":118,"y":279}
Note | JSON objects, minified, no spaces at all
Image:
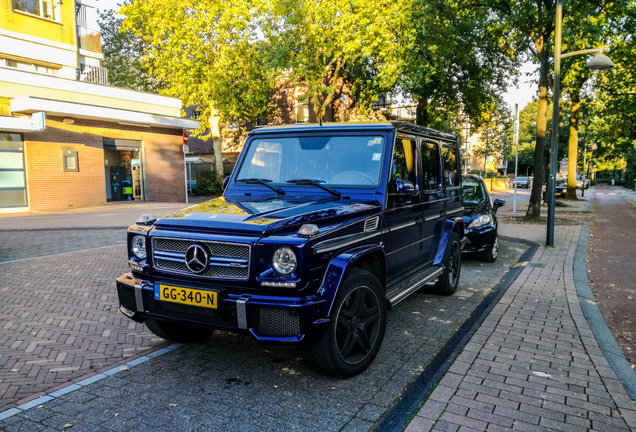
{"x":452,"y":262}
{"x":356,"y":328}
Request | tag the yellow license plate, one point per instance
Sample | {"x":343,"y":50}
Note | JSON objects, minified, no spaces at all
{"x":189,"y":296}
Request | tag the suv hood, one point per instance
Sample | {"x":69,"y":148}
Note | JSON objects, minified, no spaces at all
{"x":265,"y":215}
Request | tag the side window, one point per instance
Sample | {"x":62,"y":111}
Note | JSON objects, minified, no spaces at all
{"x":403,"y":172}
{"x":451,"y":171}
{"x":430,"y":166}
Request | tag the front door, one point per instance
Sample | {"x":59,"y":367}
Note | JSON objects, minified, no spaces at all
{"x":404,"y":210}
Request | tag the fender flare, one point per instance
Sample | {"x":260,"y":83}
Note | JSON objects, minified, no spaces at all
{"x":337,"y":269}
{"x":450,"y":225}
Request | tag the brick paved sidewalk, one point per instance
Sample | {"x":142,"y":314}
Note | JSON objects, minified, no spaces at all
{"x":534,"y":363}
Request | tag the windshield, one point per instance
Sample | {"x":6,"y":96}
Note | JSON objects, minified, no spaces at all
{"x":473,"y":192}
{"x":329,"y":160}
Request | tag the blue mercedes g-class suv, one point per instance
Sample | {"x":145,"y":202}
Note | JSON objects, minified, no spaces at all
{"x":321,"y":229}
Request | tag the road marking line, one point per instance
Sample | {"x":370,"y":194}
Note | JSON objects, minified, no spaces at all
{"x":76,"y":386}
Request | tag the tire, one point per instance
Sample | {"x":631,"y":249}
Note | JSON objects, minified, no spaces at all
{"x":356,"y":327}
{"x":452,"y":262}
{"x":490,"y":256}
{"x":177,"y":332}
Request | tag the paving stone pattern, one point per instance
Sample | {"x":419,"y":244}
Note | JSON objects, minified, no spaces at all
{"x":22,"y":244}
{"x":534,"y":363}
{"x":227,"y":382}
{"x":59,"y":321}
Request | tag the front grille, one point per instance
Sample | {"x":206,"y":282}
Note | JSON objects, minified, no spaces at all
{"x":278,"y":322}
{"x":227,"y":260}
{"x":127,"y":298}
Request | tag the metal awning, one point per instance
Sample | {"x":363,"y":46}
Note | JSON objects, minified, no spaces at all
{"x":122,"y":144}
{"x":22,"y":123}
{"x":76,"y":110}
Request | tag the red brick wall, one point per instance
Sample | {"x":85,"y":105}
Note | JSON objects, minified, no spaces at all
{"x":50,"y":188}
{"x":165,"y":167}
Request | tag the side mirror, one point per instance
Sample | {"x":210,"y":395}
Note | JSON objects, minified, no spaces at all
{"x":404,"y":187}
{"x":226,"y":180}
{"x":496,"y":204}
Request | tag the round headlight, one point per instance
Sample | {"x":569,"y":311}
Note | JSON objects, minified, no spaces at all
{"x":138,"y":246}
{"x":284,"y":261}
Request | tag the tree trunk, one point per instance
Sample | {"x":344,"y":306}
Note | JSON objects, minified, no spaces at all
{"x":573,"y":144}
{"x":217,"y":145}
{"x":534,"y":205}
{"x":421,"y":113}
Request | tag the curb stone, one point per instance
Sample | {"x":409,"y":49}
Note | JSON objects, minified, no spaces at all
{"x":416,"y":394}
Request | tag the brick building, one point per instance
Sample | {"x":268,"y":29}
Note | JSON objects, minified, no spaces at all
{"x":67,"y":139}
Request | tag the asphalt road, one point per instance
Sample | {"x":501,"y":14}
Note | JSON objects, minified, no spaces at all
{"x":611,"y":265}
{"x":65,"y":302}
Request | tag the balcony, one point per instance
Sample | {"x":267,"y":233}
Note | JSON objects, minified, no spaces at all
{"x":92,"y":74}
{"x":89,"y":39}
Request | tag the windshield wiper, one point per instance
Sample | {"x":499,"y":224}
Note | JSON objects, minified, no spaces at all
{"x":303,"y":182}
{"x":263,"y":182}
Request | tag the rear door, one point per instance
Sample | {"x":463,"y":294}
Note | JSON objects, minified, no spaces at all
{"x":452,"y":180}
{"x":433,"y":199}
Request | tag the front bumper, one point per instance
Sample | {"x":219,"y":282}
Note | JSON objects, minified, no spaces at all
{"x":479,"y":240}
{"x":266,"y":318}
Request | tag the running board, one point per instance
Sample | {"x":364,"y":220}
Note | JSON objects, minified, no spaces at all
{"x":411,"y":284}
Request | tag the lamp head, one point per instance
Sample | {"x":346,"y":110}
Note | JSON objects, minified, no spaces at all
{"x":599,"y":63}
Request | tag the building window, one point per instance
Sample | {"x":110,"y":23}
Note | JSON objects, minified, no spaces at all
{"x":69,"y":161}
{"x":302,"y":112}
{"x":12,"y":178}
{"x":49,"y":9}
{"x":29,"y":67}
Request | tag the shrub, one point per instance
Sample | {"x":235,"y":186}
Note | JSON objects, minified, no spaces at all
{"x":209,"y":184}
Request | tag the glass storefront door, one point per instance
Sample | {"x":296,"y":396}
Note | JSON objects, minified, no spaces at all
{"x":12,"y":175}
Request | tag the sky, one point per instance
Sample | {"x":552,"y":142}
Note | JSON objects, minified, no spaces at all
{"x":526,"y":88}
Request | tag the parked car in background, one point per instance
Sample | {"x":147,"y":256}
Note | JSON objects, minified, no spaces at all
{"x":480,"y":219}
{"x":524,"y":182}
{"x":582,"y":184}
{"x":561,"y":186}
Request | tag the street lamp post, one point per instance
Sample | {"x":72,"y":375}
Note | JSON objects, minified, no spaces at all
{"x":599,"y":62}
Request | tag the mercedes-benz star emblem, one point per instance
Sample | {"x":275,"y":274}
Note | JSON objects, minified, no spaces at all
{"x":196,"y":259}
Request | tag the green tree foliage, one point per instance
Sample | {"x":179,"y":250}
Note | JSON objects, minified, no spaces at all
{"x":460,"y":61}
{"x":527,"y":135}
{"x":123,"y":56}
{"x":589,"y":24}
{"x":532,"y":26}
{"x":208,"y":53}
{"x":326,"y":45}
{"x":495,"y":133}
{"x":613,"y":111}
